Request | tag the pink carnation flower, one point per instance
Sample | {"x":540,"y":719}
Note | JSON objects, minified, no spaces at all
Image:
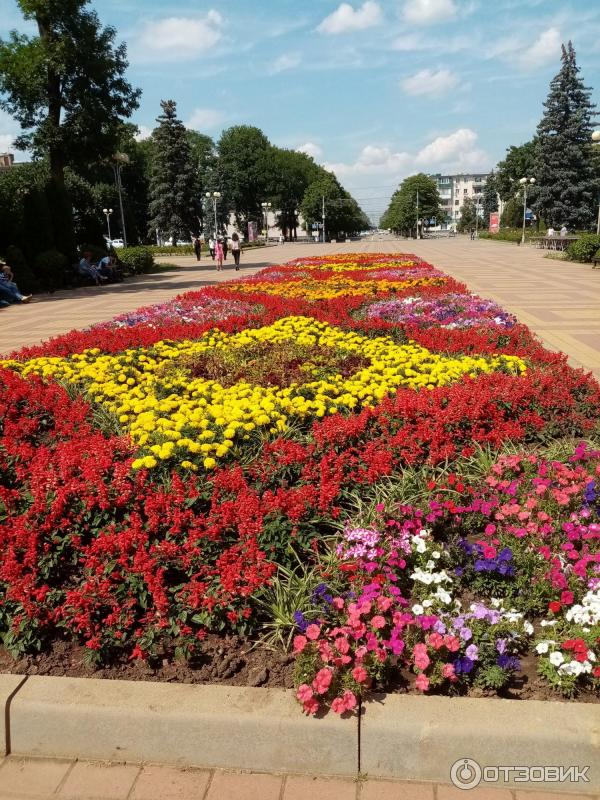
{"x":378,"y":622}
{"x":359,"y":674}
{"x":304,"y":693}
{"x":422,"y":682}
{"x":299,"y":643}
{"x":313,"y":632}
{"x":322,"y":681}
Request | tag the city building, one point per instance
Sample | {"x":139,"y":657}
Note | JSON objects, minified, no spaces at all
{"x":7,"y":160}
{"x":455,"y":189}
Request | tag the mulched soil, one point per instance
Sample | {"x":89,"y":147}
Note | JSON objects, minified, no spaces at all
{"x":233,"y":661}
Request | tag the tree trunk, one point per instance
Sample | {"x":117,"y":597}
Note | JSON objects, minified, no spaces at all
{"x":54,"y":95}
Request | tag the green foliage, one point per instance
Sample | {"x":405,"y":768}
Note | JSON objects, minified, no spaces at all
{"x":342,"y":213}
{"x":136,"y":260}
{"x":490,"y":198}
{"x":173,"y":185}
{"x":401,"y":214}
{"x":468,"y":216}
{"x":584,"y":249}
{"x":290,"y":175}
{"x":518,"y":163}
{"x":512,"y":215}
{"x":66,"y":85}
{"x":506,"y":235}
{"x":567,"y":185}
{"x":50,"y":267}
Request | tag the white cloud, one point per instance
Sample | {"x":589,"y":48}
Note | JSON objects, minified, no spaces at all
{"x":285,"y":62}
{"x":311,"y":149}
{"x":546,"y":48}
{"x":9,"y":130}
{"x":428,"y":81}
{"x":345,"y":18}
{"x":178,"y":38}
{"x":144,"y":132}
{"x":426,"y":12}
{"x":457,"y":152}
{"x":205,"y":118}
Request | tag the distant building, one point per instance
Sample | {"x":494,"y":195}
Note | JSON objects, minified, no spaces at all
{"x":455,"y":189}
{"x":7,"y":160}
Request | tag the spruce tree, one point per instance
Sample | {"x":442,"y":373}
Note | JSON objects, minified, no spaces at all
{"x":490,"y":198}
{"x":563,"y":163}
{"x":173,"y":182}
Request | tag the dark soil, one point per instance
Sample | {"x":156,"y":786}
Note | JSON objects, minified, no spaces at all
{"x":232,"y":661}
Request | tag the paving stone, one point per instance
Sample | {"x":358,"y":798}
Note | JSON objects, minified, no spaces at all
{"x":168,"y":783}
{"x":481,"y":793}
{"x":105,"y":781}
{"x":244,"y":786}
{"x":394,"y":790}
{"x":523,"y":795}
{"x":32,"y":776}
{"x":301,"y":787}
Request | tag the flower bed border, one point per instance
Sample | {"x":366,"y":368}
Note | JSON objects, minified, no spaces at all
{"x":401,"y":737}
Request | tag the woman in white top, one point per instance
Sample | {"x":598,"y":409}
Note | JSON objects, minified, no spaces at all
{"x":236,"y":250}
{"x":211,"y":247}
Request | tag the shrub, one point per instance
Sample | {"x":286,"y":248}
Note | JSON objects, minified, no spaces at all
{"x":50,"y":267}
{"x":585,"y":248}
{"x":24,"y":277}
{"x":136,"y":260}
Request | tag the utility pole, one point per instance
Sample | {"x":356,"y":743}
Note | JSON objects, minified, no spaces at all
{"x":323,"y":219}
{"x":417,"y":213}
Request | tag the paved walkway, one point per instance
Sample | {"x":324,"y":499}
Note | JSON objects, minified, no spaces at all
{"x":43,"y":779}
{"x":559,"y":300}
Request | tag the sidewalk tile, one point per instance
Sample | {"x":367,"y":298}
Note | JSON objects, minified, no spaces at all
{"x":481,"y":793}
{"x":168,"y":783}
{"x":394,"y":790}
{"x":244,"y":786}
{"x":301,"y":787}
{"x":30,"y":777}
{"x":523,"y":795}
{"x":106,"y":781}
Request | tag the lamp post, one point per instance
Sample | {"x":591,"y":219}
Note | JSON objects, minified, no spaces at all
{"x":215,"y":197}
{"x":596,"y":143}
{"x":265,"y":208}
{"x":107,"y":212}
{"x":119,"y":161}
{"x":525,"y":182}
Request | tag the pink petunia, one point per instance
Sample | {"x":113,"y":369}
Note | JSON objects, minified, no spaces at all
{"x":422,"y":682}
{"x":322,"y":681}
{"x":359,"y":674}
{"x":304,"y":693}
{"x":311,"y":706}
{"x":313,"y":632}
{"x":378,"y":622}
{"x":300,"y":643}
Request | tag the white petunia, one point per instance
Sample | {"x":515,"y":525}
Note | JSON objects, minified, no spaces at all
{"x":556,"y":658}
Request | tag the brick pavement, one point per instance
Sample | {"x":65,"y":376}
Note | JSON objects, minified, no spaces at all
{"x":558,"y":300}
{"x":46,"y":779}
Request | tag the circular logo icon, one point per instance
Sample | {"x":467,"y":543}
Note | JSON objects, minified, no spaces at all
{"x":465,"y":773}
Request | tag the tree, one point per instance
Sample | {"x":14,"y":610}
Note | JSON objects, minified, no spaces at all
{"x":243,"y":152}
{"x":290,"y":173}
{"x":518,"y":163}
{"x":343,"y":215}
{"x":490,"y":197}
{"x":401,"y":215}
{"x":65,"y":86}
{"x":468,"y":216}
{"x":566,"y":185}
{"x":173,"y":197}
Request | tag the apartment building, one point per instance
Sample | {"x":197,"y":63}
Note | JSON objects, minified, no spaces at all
{"x":455,"y":189}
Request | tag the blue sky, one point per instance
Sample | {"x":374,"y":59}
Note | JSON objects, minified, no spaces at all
{"x":374,"y":89}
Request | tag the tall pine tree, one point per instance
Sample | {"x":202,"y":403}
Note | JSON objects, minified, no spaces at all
{"x":563,"y":163}
{"x":490,"y":198}
{"x":174,"y":179}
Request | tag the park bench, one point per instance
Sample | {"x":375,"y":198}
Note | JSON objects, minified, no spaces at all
{"x":595,"y":261}
{"x":553,"y":242}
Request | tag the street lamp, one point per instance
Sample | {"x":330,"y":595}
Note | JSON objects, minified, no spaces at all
{"x":477,"y":202}
{"x":107,"y":212}
{"x":119,"y":161}
{"x":524,"y":183}
{"x":596,"y":143}
{"x":215,"y":197}
{"x":265,"y":208}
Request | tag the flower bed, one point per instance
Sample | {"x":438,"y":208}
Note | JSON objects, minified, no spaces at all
{"x":212,"y":465}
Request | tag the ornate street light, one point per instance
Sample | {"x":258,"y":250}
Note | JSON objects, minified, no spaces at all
{"x":107,"y":212}
{"x":216,"y":196}
{"x":525,"y":182}
{"x":265,"y":208}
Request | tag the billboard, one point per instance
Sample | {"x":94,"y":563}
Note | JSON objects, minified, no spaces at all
{"x":494,"y":222}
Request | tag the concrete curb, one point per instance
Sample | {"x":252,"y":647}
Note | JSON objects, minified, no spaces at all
{"x":399,"y":737}
{"x":184,"y":725}
{"x":420,"y":738}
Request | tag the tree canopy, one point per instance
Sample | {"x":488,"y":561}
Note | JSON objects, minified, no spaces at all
{"x":401,"y":215}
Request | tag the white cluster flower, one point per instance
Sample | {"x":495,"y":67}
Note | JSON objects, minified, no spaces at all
{"x":543,"y":646}
{"x":423,"y":576}
{"x":574,"y":667}
{"x":588,"y":612}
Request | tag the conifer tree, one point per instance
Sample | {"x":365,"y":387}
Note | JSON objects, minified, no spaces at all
{"x":490,"y":198}
{"x":563,"y":162}
{"x":174,"y":180}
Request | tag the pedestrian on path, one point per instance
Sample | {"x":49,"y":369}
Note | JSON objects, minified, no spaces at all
{"x":225,"y":247}
{"x":236,"y":250}
{"x":197,"y":248}
{"x":9,"y":291}
{"x":219,"y":255}
{"x":211,"y":247}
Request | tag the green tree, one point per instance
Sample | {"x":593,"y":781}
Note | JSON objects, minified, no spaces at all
{"x":512,"y":215}
{"x":290,"y":173}
{"x":343,"y":216}
{"x":468,"y":216}
{"x":65,"y":86}
{"x":566,"y":185}
{"x":243,"y":154}
{"x":173,"y":186}
{"x":401,"y":215}
{"x":490,"y":198}
{"x":518,"y":163}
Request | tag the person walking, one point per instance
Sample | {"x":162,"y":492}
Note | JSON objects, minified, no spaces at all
{"x":236,"y":250}
{"x":225,"y":247}
{"x":211,"y":247}
{"x":197,"y":248}
{"x":219,"y":255}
